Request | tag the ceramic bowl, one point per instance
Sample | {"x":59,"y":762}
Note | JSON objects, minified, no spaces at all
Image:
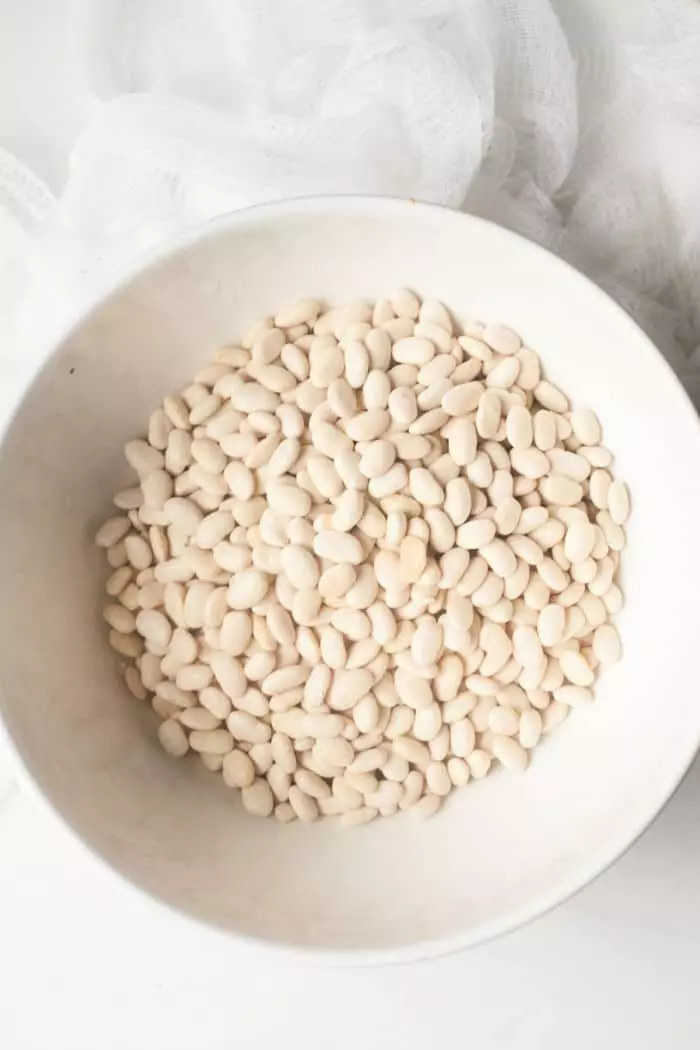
{"x":502,"y":850}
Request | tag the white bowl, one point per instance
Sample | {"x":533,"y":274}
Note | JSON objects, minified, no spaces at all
{"x":503,"y":850}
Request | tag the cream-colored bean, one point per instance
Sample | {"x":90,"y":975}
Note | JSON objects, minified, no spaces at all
{"x":504,"y":373}
{"x":216,"y":701}
{"x":606,"y":644}
{"x":339,"y":547}
{"x":377,"y":459}
{"x":412,"y":750}
{"x":618,"y":502}
{"x":586,"y":426}
{"x":173,"y":738}
{"x":558,"y":489}
{"x":488,"y":415}
{"x":475,"y":534}
{"x":211,"y":741}
{"x":550,"y":397}
{"x":519,"y":427}
{"x":258,"y":799}
{"x":426,"y":644}
{"x":238,"y":771}
{"x":247,"y":589}
{"x":402,"y":406}
{"x":348,"y":688}
{"x":229,"y":675}
{"x":575,"y":668}
{"x":509,"y":753}
{"x":462,"y":398}
{"x":568,"y":696}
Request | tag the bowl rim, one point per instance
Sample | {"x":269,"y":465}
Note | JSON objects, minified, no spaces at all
{"x":541,"y":903}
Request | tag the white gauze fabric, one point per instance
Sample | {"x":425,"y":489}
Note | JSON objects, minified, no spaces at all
{"x":577,"y":124}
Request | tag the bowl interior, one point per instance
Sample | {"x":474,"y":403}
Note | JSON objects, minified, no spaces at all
{"x":501,"y":850}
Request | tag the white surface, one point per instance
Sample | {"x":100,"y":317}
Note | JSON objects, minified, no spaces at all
{"x":82,"y":966}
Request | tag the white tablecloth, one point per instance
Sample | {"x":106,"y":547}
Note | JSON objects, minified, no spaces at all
{"x":122,"y":121}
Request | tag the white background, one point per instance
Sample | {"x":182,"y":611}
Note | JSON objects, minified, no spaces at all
{"x":86,"y":966}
